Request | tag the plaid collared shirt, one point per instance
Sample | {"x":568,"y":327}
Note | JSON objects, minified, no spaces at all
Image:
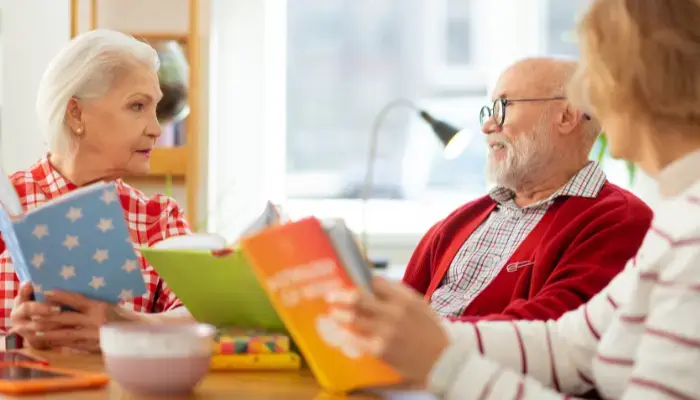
{"x":490,"y":246}
{"x":150,"y":220}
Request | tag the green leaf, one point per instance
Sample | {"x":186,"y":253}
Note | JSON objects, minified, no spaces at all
{"x":631,"y":172}
{"x":631,"y":167}
{"x":169,"y":185}
{"x":603,"y":147}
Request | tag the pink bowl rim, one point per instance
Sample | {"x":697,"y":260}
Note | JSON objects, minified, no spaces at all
{"x":195,"y":328}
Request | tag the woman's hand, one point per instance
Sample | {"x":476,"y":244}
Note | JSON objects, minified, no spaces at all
{"x":398,"y":324}
{"x":28,"y":318}
{"x":78,"y":329}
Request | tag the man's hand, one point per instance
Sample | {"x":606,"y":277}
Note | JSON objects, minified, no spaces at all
{"x":399,"y":326}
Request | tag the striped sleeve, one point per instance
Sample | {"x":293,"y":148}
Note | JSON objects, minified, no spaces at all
{"x":488,"y":360}
{"x":669,"y":351}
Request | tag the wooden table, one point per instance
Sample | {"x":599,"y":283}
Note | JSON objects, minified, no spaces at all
{"x":217,"y":385}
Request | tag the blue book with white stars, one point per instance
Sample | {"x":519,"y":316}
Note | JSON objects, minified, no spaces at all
{"x":78,"y":243}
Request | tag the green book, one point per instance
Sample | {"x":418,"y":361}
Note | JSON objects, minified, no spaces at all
{"x":215,"y":282}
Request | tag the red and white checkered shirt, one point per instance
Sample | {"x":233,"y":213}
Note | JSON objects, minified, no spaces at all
{"x":491,"y":245}
{"x":150,"y":220}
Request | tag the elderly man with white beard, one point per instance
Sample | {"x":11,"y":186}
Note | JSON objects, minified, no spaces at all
{"x":552,"y":232}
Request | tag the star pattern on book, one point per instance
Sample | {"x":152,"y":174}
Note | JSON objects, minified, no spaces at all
{"x":71,"y":242}
{"x":80,"y":244}
{"x":109,"y":196}
{"x":40,"y":231}
{"x":126,"y":295}
{"x":130,"y":265}
{"x":97,"y":282}
{"x":101,"y":255}
{"x":74,"y":214}
{"x":67,"y":271}
{"x":38,"y":260}
{"x":105,"y":224}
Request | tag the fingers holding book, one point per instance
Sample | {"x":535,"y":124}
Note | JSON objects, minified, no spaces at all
{"x":64,"y":320}
{"x":397,"y":326}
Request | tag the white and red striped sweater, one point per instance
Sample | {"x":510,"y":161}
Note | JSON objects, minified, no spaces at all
{"x":638,"y":339}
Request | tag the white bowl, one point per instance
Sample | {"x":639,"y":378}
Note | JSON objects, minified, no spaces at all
{"x":157,"y":360}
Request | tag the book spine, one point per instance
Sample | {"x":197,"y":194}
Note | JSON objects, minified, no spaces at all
{"x":256,"y":362}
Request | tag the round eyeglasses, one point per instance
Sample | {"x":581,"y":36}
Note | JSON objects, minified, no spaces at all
{"x":498,"y":109}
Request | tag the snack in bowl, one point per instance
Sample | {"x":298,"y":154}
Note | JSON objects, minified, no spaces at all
{"x":157,"y":359}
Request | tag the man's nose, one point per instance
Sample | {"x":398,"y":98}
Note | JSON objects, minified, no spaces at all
{"x":490,"y":126}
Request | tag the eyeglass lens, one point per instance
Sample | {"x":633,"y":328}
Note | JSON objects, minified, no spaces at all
{"x":496,"y":111}
{"x":484,"y":114}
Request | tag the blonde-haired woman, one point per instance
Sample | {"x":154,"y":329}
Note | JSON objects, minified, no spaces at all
{"x":640,"y":337}
{"x":97,"y":105}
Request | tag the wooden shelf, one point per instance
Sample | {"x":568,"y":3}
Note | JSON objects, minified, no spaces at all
{"x":183,"y":38}
{"x":169,"y":161}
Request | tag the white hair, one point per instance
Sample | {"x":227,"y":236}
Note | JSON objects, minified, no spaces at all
{"x":85,"y":69}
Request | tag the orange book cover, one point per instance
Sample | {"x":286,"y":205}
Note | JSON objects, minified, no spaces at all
{"x":298,"y":265}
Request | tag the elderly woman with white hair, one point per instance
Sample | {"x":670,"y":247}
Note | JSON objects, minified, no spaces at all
{"x":97,"y":104}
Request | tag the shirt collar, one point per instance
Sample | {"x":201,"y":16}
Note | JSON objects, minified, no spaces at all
{"x":587,"y":182}
{"x":679,"y":175}
{"x":51,"y":182}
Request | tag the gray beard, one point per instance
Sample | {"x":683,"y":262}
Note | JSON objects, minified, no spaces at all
{"x":527,"y":158}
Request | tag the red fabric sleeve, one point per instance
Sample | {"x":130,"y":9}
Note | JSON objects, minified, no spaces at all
{"x":598,"y":253}
{"x":174,"y":223}
{"x":418,"y":272}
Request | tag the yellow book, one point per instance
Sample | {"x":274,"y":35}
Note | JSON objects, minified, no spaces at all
{"x":298,"y":264}
{"x":256,"y":362}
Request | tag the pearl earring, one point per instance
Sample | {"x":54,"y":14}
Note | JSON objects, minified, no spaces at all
{"x":79,"y":130}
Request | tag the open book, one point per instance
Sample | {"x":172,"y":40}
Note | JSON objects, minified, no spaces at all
{"x":213,"y":279}
{"x":78,"y":242}
{"x":298,"y":264}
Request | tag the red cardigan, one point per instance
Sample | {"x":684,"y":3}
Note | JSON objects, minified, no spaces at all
{"x":574,"y":251}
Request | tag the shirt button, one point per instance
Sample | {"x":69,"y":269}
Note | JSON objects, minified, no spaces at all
{"x":466,"y":297}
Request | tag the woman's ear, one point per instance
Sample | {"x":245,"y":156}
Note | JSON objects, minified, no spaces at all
{"x":74,"y":116}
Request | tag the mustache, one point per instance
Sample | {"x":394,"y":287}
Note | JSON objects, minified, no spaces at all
{"x":495,"y":139}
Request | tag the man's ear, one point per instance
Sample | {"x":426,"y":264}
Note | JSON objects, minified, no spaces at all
{"x":74,"y":115}
{"x":570,"y":118}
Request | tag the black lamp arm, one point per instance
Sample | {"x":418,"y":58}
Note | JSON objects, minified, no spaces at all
{"x":373,"y":144}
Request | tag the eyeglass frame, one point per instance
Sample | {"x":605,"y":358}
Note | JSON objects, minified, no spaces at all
{"x":504,"y":102}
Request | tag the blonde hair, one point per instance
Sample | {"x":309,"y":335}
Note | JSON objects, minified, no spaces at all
{"x":640,"y":58}
{"x":85,"y":68}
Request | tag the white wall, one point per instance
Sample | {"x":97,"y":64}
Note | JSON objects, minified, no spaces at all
{"x":247,"y":112}
{"x":32,"y":32}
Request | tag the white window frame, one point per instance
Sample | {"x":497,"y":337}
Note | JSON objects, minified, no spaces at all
{"x":439,"y":73}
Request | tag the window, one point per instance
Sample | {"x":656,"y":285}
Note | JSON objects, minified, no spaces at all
{"x":344,"y":61}
{"x":560,"y":33}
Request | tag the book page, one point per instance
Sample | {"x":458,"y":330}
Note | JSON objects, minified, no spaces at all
{"x":195,"y":241}
{"x":269,"y":217}
{"x":349,"y":253}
